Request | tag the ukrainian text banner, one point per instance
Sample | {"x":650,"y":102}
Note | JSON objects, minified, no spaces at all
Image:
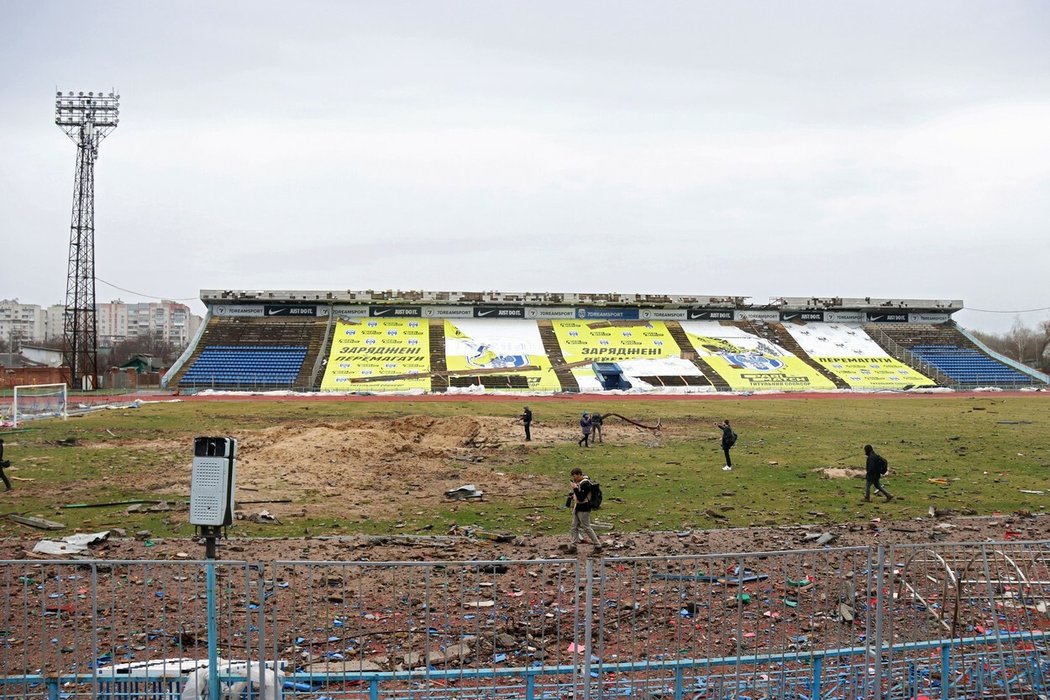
{"x":852,"y":356}
{"x":750,"y":363}
{"x":641,"y":348}
{"x":874,"y":372}
{"x":485,"y":346}
{"x":379,"y":354}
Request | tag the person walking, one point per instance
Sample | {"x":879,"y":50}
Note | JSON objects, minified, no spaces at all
{"x":582,"y":490}
{"x":526,"y":420}
{"x":728,"y":440}
{"x":876,"y":467}
{"x":3,"y":465}
{"x":596,"y":427}
{"x":585,"y":428}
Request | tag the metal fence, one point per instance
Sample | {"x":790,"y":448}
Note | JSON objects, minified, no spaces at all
{"x":945,"y":620}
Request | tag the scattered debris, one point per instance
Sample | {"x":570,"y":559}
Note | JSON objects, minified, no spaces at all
{"x":264,"y":517}
{"x":110,"y":503}
{"x":633,"y":422}
{"x":38,"y":523}
{"x":467,"y":492}
{"x":73,"y":544}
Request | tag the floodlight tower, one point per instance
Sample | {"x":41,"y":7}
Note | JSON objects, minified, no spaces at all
{"x":86,"y":119}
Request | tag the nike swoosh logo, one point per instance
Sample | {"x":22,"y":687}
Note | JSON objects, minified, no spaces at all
{"x":382,"y":312}
{"x":487,"y":313}
{"x":273,"y":312}
{"x":877,"y":317}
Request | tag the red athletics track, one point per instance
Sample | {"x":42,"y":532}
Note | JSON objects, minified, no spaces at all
{"x":581,"y":397}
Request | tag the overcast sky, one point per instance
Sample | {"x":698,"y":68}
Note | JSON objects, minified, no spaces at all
{"x":885,"y":149}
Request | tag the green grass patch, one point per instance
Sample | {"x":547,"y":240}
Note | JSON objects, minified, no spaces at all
{"x":988,"y":449}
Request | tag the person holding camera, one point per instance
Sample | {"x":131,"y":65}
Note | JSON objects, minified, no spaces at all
{"x":580,"y":501}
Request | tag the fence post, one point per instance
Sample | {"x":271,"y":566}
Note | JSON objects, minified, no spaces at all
{"x":213,"y":641}
{"x":880,"y":608}
{"x":818,"y":662}
{"x":946,"y":670}
{"x":94,"y":628}
{"x":588,"y":628}
{"x":260,"y":587}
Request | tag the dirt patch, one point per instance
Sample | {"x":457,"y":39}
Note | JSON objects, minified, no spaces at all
{"x":840,"y":473}
{"x":373,"y":468}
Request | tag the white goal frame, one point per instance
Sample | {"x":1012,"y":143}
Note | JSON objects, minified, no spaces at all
{"x":64,"y":412}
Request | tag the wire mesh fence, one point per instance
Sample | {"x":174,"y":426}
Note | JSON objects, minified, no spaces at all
{"x":942,"y":620}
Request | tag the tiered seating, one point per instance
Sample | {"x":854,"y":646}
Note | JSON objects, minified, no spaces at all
{"x":969,"y":365}
{"x":246,"y":365}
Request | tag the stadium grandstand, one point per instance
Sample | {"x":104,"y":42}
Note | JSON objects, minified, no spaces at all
{"x":474,"y":342}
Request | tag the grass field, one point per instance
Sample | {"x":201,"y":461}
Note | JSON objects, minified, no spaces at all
{"x":988,"y":448}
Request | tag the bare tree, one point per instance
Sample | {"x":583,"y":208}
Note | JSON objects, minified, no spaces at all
{"x":1043,"y":359}
{"x":1023,"y":342}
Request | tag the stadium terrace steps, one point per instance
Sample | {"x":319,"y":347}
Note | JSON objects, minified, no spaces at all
{"x":251,"y":334}
{"x":557,"y":359}
{"x":315,"y":346}
{"x":713,"y":378}
{"x":439,"y":381}
{"x":779,"y":335}
{"x":246,"y":365}
{"x":955,"y":355}
{"x":551,"y":356}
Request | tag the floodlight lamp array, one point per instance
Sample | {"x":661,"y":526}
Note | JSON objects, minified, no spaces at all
{"x":97,"y":108}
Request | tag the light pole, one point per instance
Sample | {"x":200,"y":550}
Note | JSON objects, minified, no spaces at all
{"x":86,"y":119}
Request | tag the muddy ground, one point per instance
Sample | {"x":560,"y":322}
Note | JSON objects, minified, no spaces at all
{"x":455,"y":615}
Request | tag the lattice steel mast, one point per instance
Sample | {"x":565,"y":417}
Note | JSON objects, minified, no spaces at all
{"x":86,"y":119}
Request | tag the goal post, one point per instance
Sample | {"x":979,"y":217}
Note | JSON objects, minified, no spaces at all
{"x":33,"y":401}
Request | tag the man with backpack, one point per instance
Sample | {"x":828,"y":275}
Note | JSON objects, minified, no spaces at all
{"x":596,"y":427}
{"x":585,"y":428}
{"x":728,"y":440}
{"x":585,"y":496}
{"x":876,"y":467}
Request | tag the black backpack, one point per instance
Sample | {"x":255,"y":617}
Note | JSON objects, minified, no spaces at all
{"x":732,"y":438}
{"x":596,"y":495}
{"x":884,"y":466}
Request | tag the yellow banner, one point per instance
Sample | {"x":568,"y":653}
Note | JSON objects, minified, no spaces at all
{"x":750,"y":363}
{"x":498,"y":348}
{"x":874,"y":372}
{"x":613,"y":341}
{"x":364,"y":350}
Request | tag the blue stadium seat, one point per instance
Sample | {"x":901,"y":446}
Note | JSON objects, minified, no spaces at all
{"x":246,"y":365}
{"x":969,"y":366}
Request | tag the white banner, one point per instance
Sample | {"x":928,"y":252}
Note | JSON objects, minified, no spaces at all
{"x":448,"y":312}
{"x":226,"y":310}
{"x":929,"y":318}
{"x":550,"y":312}
{"x":664,"y":314}
{"x":346,"y":310}
{"x":844,"y":316}
{"x":757,"y":315}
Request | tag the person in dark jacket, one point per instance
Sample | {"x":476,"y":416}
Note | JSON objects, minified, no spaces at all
{"x":728,"y":440}
{"x":526,"y":420}
{"x":596,"y":427}
{"x":581,"y":511}
{"x":585,"y":428}
{"x":3,"y":465}
{"x":873,"y":471}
